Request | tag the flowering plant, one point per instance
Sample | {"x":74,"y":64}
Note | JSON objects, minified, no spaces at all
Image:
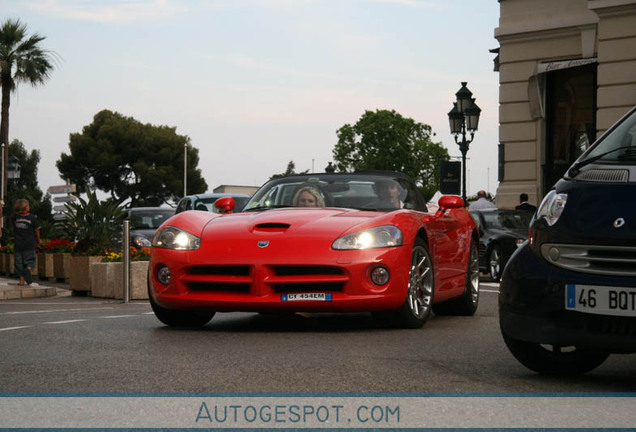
{"x":58,"y":246}
{"x":88,"y":249}
{"x":142,"y":254}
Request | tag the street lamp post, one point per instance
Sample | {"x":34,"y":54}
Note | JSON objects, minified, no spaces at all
{"x":464,"y":119}
{"x":185,"y":169}
{"x":13,"y":168}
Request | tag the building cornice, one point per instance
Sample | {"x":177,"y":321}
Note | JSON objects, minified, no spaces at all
{"x":609,"y":8}
{"x":524,"y":33}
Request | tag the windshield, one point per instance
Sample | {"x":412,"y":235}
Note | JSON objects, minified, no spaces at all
{"x":618,"y":146}
{"x":356,"y":191}
{"x":148,"y":219}
{"x":512,"y":220}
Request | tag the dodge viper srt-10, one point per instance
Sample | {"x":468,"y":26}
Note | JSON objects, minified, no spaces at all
{"x":319,"y":243}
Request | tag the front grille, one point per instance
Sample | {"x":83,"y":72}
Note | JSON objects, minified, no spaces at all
{"x":276,"y":278}
{"x":224,"y":278}
{"x":594,"y":259}
{"x":305,"y":270}
{"x":605,"y":175}
{"x":292,"y":279}
{"x":237,"y":270}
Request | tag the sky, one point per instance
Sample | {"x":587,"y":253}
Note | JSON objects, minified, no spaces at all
{"x":256,"y":84}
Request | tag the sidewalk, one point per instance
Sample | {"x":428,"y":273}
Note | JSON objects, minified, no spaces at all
{"x":9,"y":289}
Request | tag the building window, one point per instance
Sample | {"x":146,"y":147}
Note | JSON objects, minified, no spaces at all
{"x":570,"y":119}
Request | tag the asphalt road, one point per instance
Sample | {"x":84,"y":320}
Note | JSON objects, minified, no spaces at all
{"x":77,"y":344}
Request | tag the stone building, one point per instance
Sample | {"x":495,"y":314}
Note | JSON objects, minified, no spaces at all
{"x":567,"y":71}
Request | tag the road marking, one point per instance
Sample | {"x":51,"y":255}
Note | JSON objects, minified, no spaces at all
{"x":54,"y":310}
{"x":15,"y":328}
{"x":69,"y":321}
{"x":65,"y":322}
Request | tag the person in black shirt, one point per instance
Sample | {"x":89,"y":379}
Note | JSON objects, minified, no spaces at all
{"x":525,"y":205}
{"x":26,"y":229}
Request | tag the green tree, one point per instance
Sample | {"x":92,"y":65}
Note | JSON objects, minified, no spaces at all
{"x":22,"y":60}
{"x":291,"y":170}
{"x":26,"y":187}
{"x":384,"y":140}
{"x":130,"y":160}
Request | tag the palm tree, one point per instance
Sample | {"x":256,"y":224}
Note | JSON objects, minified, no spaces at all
{"x":21,"y":60}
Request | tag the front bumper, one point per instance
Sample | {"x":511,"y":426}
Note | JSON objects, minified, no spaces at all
{"x":226,"y":283}
{"x":532,"y":307}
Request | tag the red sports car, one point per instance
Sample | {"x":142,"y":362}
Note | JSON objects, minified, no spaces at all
{"x":319,"y":243}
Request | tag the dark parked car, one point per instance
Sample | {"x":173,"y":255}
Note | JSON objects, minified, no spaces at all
{"x":568,"y":296}
{"x":144,"y":221}
{"x":205,"y":202}
{"x":501,"y":232}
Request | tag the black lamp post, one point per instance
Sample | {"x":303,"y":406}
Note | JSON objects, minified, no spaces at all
{"x":13,"y":168}
{"x":463,"y":119}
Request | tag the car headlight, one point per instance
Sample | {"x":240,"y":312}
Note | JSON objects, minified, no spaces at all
{"x":170,"y":237}
{"x":141,"y":242}
{"x":552,"y":206}
{"x":378,"y":237}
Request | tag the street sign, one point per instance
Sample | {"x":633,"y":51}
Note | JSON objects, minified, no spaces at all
{"x":60,"y":189}
{"x":450,"y":175}
{"x":64,"y":198}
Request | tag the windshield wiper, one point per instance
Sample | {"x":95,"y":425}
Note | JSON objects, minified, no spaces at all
{"x":630,"y":151}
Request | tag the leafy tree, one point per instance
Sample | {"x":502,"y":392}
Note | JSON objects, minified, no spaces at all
{"x":22,"y":59}
{"x":291,"y":170}
{"x":130,"y":160}
{"x":384,"y":140}
{"x":27,"y":186}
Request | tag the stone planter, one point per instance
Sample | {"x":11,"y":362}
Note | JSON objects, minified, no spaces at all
{"x":107,"y":280}
{"x":10,"y":263}
{"x":45,"y":266}
{"x":79,"y":276}
{"x":3,"y":263}
{"x":61,"y":266}
{"x":35,"y":272}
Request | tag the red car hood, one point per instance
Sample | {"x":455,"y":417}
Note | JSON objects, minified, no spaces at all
{"x":327,"y":223}
{"x":279,"y":235}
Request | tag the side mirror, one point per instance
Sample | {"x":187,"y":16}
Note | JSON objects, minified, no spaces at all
{"x":450,"y":202}
{"x":225,"y":204}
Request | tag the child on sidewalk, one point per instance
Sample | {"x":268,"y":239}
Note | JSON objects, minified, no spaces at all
{"x":26,"y":229}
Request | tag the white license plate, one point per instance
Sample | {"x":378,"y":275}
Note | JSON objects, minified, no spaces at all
{"x":306,"y":297}
{"x":601,"y":300}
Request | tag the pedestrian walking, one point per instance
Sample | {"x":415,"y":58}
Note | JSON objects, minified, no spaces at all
{"x":26,"y":231}
{"x":482,"y":202}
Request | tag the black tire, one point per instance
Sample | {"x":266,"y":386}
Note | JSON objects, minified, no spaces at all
{"x":554,"y":360}
{"x":180,"y":318}
{"x":467,"y":303}
{"x":496,"y":263}
{"x":418,"y":304}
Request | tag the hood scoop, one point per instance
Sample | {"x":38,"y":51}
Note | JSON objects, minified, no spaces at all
{"x":271,"y":226}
